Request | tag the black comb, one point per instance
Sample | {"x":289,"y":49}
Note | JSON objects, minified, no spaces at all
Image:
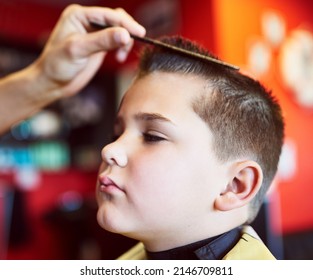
{"x":158,"y":43}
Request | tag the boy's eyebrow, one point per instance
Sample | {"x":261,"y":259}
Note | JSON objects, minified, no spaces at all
{"x":152,"y":117}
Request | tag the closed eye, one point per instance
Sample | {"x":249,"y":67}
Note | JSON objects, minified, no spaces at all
{"x":150,"y":138}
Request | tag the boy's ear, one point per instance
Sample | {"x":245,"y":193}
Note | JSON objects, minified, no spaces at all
{"x":245,"y":182}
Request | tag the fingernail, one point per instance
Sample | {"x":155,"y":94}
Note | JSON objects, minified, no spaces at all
{"x":121,"y":55}
{"x":142,"y":30}
{"x":121,"y":37}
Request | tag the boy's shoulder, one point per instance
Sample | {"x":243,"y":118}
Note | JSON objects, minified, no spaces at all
{"x":137,"y":252}
{"x":249,"y":247}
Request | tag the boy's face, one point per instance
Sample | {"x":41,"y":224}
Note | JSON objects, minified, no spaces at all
{"x":159,"y":179}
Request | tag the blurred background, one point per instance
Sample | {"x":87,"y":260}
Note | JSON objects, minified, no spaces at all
{"x":48,"y":163}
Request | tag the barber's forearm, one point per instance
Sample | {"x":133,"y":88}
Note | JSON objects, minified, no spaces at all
{"x":21,"y":95}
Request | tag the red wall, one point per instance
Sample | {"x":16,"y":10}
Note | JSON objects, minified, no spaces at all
{"x":41,"y":241}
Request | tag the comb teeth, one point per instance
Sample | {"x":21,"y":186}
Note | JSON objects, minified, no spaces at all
{"x":158,"y":43}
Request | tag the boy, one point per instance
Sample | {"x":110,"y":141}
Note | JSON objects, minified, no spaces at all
{"x":197,"y":146}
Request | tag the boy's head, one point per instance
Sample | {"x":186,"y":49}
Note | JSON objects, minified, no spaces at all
{"x":192,"y":139}
{"x":245,"y":119}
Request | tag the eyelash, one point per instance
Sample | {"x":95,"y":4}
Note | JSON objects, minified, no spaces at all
{"x":147,"y":137}
{"x":150,"y":138}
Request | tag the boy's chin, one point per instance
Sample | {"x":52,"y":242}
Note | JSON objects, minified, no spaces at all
{"x":108,"y":220}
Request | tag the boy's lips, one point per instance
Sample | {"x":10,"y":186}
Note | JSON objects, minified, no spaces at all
{"x":108,"y":185}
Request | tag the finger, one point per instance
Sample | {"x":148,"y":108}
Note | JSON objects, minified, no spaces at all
{"x":82,"y":46}
{"x":114,"y":17}
{"x":123,"y":52}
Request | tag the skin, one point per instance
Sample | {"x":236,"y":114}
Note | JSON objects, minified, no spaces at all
{"x":162,"y":194}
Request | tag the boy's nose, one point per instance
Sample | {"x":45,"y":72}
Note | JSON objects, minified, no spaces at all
{"x":114,"y":154}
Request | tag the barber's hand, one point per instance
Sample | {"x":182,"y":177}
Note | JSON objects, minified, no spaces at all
{"x":74,"y":51}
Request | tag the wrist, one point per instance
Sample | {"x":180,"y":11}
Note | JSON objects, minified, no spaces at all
{"x":40,"y":90}
{"x":22,"y":94}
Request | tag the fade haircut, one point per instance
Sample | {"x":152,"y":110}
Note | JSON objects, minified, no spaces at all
{"x":245,"y":118}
